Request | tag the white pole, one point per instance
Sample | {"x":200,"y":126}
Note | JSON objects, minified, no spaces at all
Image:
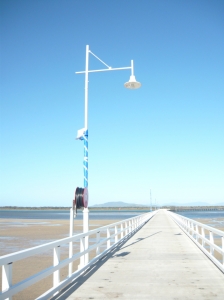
{"x":86,"y":210}
{"x":71,"y":244}
{"x":86,"y":229}
{"x":86,"y":86}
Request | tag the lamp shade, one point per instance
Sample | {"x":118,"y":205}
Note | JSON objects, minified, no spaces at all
{"x":132,"y":83}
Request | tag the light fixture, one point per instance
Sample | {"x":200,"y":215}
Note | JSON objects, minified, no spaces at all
{"x":132,"y":83}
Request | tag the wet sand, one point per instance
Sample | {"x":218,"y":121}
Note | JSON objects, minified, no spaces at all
{"x":218,"y":223}
{"x":16,"y":235}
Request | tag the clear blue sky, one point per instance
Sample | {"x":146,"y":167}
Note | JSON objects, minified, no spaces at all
{"x":167,"y":136}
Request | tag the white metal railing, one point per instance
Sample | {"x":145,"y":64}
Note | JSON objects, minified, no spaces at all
{"x":104,"y":237}
{"x":204,"y":236}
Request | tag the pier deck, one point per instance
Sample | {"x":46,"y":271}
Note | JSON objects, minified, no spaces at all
{"x":158,"y":262}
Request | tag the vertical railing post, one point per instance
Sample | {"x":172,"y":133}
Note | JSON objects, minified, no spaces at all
{"x":192,"y":229}
{"x":115,"y":231}
{"x":185,"y":225}
{"x":196,"y":232}
{"x":122,"y":233}
{"x":6,"y":278}
{"x":108,"y":238}
{"x":211,"y":238}
{"x":181,"y":222}
{"x":126,"y":228}
{"x":82,"y":248}
{"x":223,"y":250}
{"x":97,"y":241}
{"x":56,"y":274}
{"x":203,"y":236}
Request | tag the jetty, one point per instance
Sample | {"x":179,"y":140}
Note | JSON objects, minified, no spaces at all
{"x":164,"y":256}
{"x":158,"y":262}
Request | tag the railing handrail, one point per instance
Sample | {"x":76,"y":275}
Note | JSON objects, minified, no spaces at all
{"x":127,"y":228}
{"x":215,"y":230}
{"x":186,"y":225}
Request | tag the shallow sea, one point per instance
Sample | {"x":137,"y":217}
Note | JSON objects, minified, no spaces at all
{"x":210,"y":218}
{"x":64,"y":214}
{"x":98,"y":214}
{"x":202,"y":214}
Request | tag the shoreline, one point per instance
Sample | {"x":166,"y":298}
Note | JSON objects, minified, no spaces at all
{"x":118,"y":208}
{"x":68,"y":208}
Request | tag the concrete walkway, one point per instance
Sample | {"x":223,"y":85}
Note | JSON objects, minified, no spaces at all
{"x":158,"y":262}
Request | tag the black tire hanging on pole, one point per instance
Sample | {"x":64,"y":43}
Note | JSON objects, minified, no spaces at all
{"x":79,"y":197}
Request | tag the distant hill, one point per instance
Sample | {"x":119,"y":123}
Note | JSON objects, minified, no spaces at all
{"x":118,"y":204}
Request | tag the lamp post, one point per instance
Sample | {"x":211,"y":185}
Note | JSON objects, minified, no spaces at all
{"x":83,"y":133}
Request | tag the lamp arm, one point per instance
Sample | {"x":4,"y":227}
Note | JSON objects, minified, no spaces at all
{"x":104,"y":70}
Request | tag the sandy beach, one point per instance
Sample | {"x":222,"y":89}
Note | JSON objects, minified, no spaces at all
{"x":17,"y":234}
{"x":216,"y":222}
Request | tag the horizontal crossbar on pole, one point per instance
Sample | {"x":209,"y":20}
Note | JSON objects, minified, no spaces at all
{"x":103,"y":70}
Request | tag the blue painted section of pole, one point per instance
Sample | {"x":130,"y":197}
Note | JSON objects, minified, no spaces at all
{"x":85,"y":161}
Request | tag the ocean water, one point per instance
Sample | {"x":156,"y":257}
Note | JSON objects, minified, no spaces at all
{"x":202,"y":214}
{"x":98,"y":214}
{"x":213,"y":218}
{"x":64,"y":214}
